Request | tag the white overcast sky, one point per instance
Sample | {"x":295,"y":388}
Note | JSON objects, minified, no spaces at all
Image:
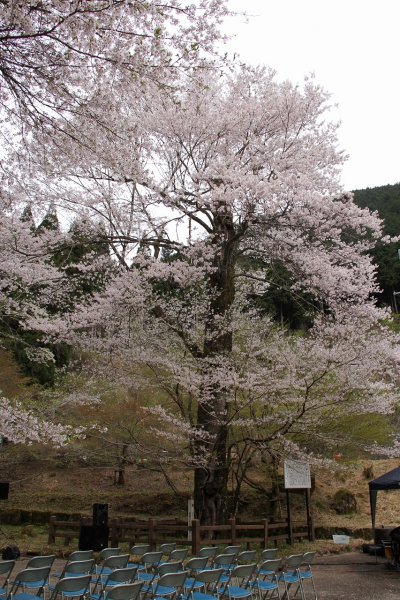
{"x":353,"y":47}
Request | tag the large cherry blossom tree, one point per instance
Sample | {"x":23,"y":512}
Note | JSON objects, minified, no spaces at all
{"x":201,"y":182}
{"x":55,"y":57}
{"x":200,"y":189}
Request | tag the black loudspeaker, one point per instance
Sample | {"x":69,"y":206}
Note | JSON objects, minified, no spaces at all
{"x":4,"y":489}
{"x":100,"y":515}
{"x":93,"y":537}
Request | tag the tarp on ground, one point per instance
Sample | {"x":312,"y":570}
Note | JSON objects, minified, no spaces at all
{"x":388,"y":481}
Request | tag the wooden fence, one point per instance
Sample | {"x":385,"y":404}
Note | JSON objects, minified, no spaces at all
{"x":154,"y":532}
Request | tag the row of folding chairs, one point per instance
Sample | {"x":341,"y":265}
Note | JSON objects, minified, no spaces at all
{"x":262,"y":579}
{"x":115,"y":570}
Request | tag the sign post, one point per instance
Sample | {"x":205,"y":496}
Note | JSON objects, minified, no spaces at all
{"x":297,"y":477}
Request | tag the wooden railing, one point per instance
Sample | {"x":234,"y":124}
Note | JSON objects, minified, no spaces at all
{"x":154,"y":532}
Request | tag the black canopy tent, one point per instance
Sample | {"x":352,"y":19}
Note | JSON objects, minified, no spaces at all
{"x":388,"y":481}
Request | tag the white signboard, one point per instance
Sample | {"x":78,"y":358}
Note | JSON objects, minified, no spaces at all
{"x":297,"y":475}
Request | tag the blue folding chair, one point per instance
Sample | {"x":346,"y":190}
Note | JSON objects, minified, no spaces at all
{"x":111,"y":563}
{"x":269,"y":554}
{"x":238,"y":586}
{"x":40,"y":561}
{"x":305,"y":571}
{"x":29,"y":579}
{"x":169,"y":585}
{"x":266,"y":582}
{"x":117,"y":577}
{"x":107,"y":552}
{"x":37,"y":562}
{"x":129,"y":591}
{"x":178,"y":554}
{"x":167,"y":548}
{"x":162,"y":569}
{"x":245,"y":557}
{"x":75,"y":556}
{"x":104,"y":555}
{"x":80,"y":555}
{"x":231,"y":550}
{"x":138,"y":550}
{"x":290,"y":574}
{"x":205,"y":585}
{"x":147,"y":566}
{"x":225,"y":562}
{"x":194,"y":566}
{"x":209,"y":551}
{"x":71,"y":587}
{"x":77,"y":568}
{"x":6,"y":567}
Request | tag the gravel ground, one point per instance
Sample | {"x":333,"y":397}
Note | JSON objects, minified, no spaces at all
{"x":354,"y":576}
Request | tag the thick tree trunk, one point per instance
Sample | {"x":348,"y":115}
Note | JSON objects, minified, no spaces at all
{"x":210,"y":484}
{"x":211,"y":479}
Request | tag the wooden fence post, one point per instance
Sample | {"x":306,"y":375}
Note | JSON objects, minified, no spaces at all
{"x":114,"y":533}
{"x":265,"y":533}
{"x":310,"y":522}
{"x":289,"y":519}
{"x":152,"y":539}
{"x":195,"y":537}
{"x":52,"y":530}
{"x":312,"y":529}
{"x":232,"y":523}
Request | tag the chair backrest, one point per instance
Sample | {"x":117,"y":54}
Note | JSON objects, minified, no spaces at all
{"x":169,"y":567}
{"x":6,"y":566}
{"x":174,"y":580}
{"x":179,"y":554}
{"x":269,"y":553}
{"x":79,"y":585}
{"x":35,"y":575}
{"x":243,"y":572}
{"x":139,"y":549}
{"x":79,"y":566}
{"x":80,"y":555}
{"x":231,"y":550}
{"x":167,"y":548}
{"x":40,"y":561}
{"x":224,"y":559}
{"x":247,"y":556}
{"x":151,"y":558}
{"x":209,"y":576}
{"x":198,"y":563}
{"x":308,"y":558}
{"x":269,"y":566}
{"x":126,"y":575}
{"x":106,"y":552}
{"x":293,"y":561}
{"x":116,"y":562}
{"x":128,"y":591}
{"x":208,"y":551}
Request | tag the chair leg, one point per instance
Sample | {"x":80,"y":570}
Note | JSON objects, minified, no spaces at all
{"x":315,"y":597}
{"x":299,"y":588}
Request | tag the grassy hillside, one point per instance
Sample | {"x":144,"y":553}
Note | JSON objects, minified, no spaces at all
{"x":38,"y":486}
{"x":63,"y":481}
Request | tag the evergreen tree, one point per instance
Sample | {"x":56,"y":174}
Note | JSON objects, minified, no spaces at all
{"x":386,"y":201}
